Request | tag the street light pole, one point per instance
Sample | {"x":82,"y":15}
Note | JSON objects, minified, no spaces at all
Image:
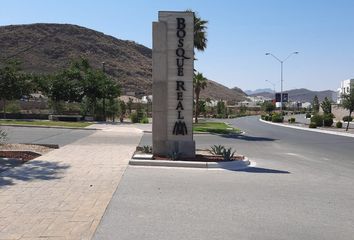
{"x":281,"y":74}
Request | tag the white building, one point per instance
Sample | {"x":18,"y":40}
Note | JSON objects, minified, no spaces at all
{"x":344,"y":88}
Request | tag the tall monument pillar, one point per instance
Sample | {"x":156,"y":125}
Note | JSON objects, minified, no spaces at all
{"x":172,"y":74}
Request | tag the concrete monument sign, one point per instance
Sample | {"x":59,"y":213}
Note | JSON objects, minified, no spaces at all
{"x":172,"y":74}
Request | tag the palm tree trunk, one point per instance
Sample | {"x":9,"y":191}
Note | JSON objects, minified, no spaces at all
{"x":196,"y":106}
{"x":350,"y":114}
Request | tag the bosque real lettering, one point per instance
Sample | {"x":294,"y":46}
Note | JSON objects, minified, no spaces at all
{"x":180,"y":127}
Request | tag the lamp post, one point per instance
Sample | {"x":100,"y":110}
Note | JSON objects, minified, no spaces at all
{"x":104,"y":97}
{"x":281,"y":74}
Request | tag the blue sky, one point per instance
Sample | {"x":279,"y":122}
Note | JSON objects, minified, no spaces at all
{"x":239,"y":34}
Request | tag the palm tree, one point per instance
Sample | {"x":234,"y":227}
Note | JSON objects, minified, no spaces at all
{"x":199,"y":83}
{"x":200,"y":34}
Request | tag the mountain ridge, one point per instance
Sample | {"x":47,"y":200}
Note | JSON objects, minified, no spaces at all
{"x":50,"y":47}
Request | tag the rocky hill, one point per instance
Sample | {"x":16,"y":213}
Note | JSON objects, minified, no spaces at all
{"x":302,"y":94}
{"x":48,"y":48}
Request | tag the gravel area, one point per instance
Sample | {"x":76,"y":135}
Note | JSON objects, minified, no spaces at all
{"x":25,"y":147}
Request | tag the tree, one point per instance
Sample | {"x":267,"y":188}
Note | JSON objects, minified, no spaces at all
{"x":348,"y":103}
{"x":130,"y":105}
{"x":13,"y":83}
{"x":200,"y":32}
{"x":315,"y":105}
{"x":326,"y":106}
{"x":199,"y":83}
{"x":221,"y":108}
{"x":268,"y":107}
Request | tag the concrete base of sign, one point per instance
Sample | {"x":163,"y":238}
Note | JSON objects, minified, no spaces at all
{"x":232,"y":165}
{"x":185,"y":149}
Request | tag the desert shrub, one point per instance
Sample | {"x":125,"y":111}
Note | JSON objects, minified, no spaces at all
{"x":339,"y":124}
{"x":217,"y":149}
{"x":345,"y":118}
{"x":228,"y":154}
{"x":276,"y":117}
{"x":317,"y":119}
{"x":292,"y":120}
{"x":308,"y":115}
{"x":3,"y":136}
{"x":313,"y":125}
{"x":147,"y":149}
{"x":263,"y":117}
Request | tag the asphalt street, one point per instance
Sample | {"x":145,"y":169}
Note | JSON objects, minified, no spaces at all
{"x":301,"y":188}
{"x":60,"y":136}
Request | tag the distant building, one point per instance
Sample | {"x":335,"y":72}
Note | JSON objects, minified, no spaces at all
{"x":345,"y":87}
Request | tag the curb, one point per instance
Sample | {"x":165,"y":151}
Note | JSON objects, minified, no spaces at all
{"x":310,"y":129}
{"x":59,"y":127}
{"x":234,"y":165}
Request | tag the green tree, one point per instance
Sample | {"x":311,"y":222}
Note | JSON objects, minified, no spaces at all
{"x":113,"y":109}
{"x":221,"y":108}
{"x":315,"y":105}
{"x":348,"y":103}
{"x":268,"y":107}
{"x":130,"y":105}
{"x":13,"y":83}
{"x":326,"y":106}
{"x":199,"y":83}
{"x":123,"y":110}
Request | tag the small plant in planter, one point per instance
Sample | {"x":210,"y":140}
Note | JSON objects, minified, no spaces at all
{"x":3,"y":136}
{"x":339,"y":124}
{"x":217,"y":149}
{"x":313,"y":125}
{"x":308,"y":115}
{"x":228,"y":154}
{"x":147,"y":149}
{"x":174,"y":155}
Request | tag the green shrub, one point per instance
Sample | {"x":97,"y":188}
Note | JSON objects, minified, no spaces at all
{"x":263,"y":117}
{"x":328,"y":119}
{"x":292,"y":120}
{"x":339,"y":124}
{"x":13,"y":107}
{"x":345,"y":118}
{"x":134,"y":118}
{"x":277,"y":117}
{"x":313,"y":125}
{"x":144,"y":120}
{"x":308,"y":115}
{"x":317,"y":119}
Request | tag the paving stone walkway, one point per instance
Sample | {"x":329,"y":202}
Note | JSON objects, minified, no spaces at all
{"x":63,"y":194}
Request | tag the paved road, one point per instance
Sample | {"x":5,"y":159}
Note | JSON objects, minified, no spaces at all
{"x":302,"y":188}
{"x":45,"y":135}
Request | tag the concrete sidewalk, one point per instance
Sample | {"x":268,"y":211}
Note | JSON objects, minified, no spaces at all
{"x":63,"y":194}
